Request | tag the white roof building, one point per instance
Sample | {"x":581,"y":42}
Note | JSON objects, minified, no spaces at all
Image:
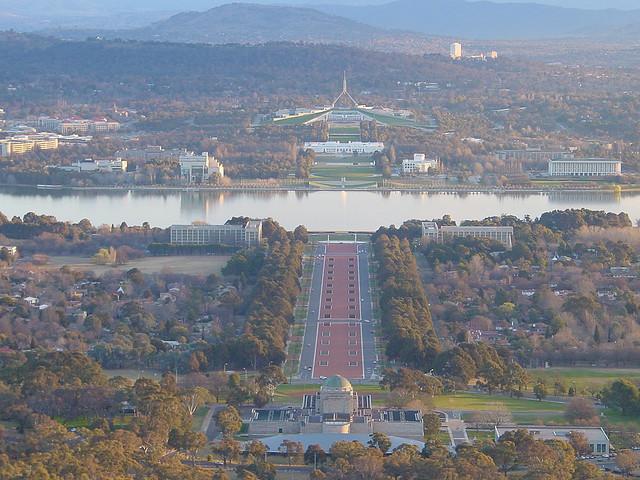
{"x":199,"y":168}
{"x":598,"y":439}
{"x":419,"y":164}
{"x":345,"y":148}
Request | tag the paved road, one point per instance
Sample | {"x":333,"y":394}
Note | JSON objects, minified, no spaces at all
{"x":366,"y":309}
{"x":364,"y":317}
{"x":308,"y":343}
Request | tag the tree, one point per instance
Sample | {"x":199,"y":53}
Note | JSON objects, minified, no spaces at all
{"x":292,"y":450}
{"x":315,"y":456}
{"x":229,"y":421}
{"x":540,"y":390}
{"x":622,"y":395}
{"x":219,"y":474}
{"x":432,"y":424}
{"x":257,"y":450}
{"x":628,"y":461}
{"x":580,"y":443}
{"x":347,"y":450}
{"x":504,"y":454}
{"x":380,"y":441}
{"x":370,"y":465}
{"x":193,"y":398}
{"x":227,"y":448}
{"x":581,"y":409}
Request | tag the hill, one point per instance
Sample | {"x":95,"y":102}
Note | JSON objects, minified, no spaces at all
{"x":483,"y":19}
{"x":253,"y":23}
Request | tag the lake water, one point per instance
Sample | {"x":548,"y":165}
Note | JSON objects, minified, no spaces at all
{"x":325,"y":210}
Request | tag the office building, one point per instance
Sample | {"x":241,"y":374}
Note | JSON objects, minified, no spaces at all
{"x":199,"y":168}
{"x":20,"y":144}
{"x":598,"y":440}
{"x":152,"y":153}
{"x":531,"y":155}
{"x":102,"y":166}
{"x":247,"y":235}
{"x":455,"y":51}
{"x":76,"y":126}
{"x":347,"y":148}
{"x":419,"y":164}
{"x":431,"y":232}
{"x":585,"y":167}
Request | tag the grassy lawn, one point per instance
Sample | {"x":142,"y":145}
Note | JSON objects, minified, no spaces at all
{"x":299,"y":120}
{"x":341,"y":137}
{"x":133,"y":374}
{"x":585,"y":379}
{"x":188,"y":265}
{"x":341,"y":159}
{"x":291,"y":394}
{"x":351,"y":172}
{"x":473,"y":401}
{"x":198,"y":418}
{"x":480,"y":435}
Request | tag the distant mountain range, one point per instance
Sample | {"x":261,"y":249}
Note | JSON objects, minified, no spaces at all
{"x":403,"y":21}
{"x":483,"y":19}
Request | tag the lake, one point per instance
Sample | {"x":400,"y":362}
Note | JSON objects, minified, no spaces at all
{"x":322,"y":210}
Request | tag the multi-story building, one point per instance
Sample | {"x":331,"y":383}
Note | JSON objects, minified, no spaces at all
{"x":77,"y":126}
{"x":431,"y":232}
{"x":151,"y":153}
{"x":199,"y":168}
{"x":103,"y":166}
{"x":20,"y":144}
{"x":419,"y":164}
{"x":531,"y":155}
{"x":455,"y":51}
{"x":345,"y":148}
{"x":104,"y":126}
{"x":246,"y":235}
{"x":47,"y":123}
{"x":585,"y":167}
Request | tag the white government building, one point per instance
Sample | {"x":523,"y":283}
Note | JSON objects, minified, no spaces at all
{"x":585,"y":167}
{"x":333,"y":414}
{"x":418,"y":164}
{"x":248,"y":234}
{"x":455,"y":51}
{"x":199,"y":168}
{"x":348,"y":148}
{"x":103,"y":166}
{"x":431,"y":232}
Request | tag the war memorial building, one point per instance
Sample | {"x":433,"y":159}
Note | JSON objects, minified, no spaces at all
{"x":335,"y":413}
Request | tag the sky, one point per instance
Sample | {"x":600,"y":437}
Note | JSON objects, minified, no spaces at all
{"x":591,"y":4}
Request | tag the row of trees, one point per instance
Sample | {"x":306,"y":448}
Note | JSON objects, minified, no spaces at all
{"x":406,"y":318}
{"x":270,"y":312}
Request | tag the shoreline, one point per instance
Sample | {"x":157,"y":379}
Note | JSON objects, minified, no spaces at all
{"x":310,"y":189}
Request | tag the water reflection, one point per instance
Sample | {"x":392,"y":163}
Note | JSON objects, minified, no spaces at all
{"x":327,"y":210}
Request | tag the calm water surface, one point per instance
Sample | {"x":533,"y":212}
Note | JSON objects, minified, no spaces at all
{"x":327,"y":210}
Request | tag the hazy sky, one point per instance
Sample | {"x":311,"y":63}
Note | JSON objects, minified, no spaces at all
{"x":596,"y":4}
